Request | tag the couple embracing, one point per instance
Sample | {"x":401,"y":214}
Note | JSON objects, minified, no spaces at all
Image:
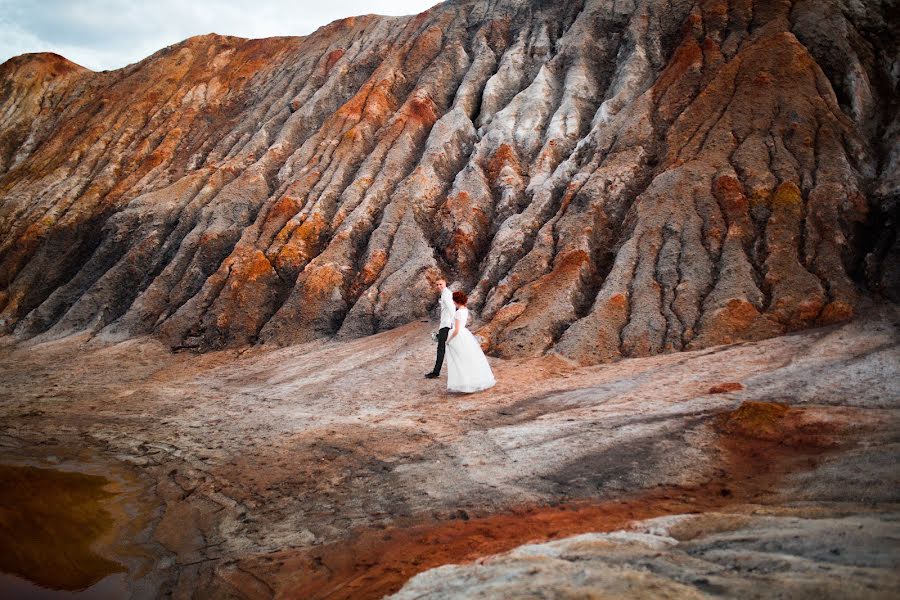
{"x":467,"y":368}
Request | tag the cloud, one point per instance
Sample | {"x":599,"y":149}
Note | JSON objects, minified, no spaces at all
{"x":109,"y":34}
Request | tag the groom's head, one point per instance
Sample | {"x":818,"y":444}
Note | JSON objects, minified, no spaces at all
{"x":440,"y":284}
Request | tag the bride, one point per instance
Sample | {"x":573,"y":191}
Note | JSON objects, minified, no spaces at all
{"x":468,"y":369}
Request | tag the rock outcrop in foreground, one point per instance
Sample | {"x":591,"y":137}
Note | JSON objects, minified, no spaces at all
{"x":690,"y":557}
{"x":608,"y":178}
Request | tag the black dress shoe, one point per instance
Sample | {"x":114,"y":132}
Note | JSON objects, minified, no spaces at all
{"x":432,"y":375}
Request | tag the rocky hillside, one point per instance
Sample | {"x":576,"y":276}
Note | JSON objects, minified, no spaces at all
{"x":607,"y":178}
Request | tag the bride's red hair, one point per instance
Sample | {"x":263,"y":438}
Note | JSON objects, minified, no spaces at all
{"x":460,"y":298}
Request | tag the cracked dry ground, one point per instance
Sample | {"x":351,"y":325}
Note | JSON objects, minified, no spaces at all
{"x":334,"y":470}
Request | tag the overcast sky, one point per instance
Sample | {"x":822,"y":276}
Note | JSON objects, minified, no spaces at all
{"x":109,"y":34}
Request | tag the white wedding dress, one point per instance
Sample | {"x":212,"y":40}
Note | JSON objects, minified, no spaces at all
{"x":467,"y":368}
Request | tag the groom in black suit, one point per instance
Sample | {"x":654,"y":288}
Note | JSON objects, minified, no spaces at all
{"x":447,"y":310}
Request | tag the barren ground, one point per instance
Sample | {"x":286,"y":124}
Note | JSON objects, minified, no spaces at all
{"x":333,"y":469}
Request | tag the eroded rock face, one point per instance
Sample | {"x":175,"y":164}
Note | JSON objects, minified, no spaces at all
{"x":607,"y":179}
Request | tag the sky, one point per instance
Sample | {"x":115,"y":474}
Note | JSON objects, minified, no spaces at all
{"x":109,"y":34}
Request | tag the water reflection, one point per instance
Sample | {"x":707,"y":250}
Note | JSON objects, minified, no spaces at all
{"x":113,"y":587}
{"x":50,"y":523}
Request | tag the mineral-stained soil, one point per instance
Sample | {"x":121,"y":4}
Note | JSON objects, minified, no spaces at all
{"x":335,"y":470}
{"x":607,"y":178}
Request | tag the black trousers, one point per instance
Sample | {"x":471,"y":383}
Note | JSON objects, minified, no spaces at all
{"x":443,"y":332}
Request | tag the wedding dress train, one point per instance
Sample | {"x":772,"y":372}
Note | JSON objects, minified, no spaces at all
{"x":467,"y":368}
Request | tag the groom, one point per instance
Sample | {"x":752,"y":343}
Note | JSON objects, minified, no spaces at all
{"x":447,"y":310}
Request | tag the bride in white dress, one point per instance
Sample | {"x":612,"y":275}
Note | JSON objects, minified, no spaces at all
{"x":467,"y":368}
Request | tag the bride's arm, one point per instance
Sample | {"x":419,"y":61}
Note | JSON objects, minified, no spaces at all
{"x":457,"y":323}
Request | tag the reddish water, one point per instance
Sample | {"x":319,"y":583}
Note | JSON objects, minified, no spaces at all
{"x":78,"y":530}
{"x":112,"y":587}
{"x":49,"y":521}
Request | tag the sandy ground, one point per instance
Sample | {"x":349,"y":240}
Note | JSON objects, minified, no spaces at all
{"x":334,"y":469}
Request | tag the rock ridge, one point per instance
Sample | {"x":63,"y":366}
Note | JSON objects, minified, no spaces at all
{"x":607,"y":179}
